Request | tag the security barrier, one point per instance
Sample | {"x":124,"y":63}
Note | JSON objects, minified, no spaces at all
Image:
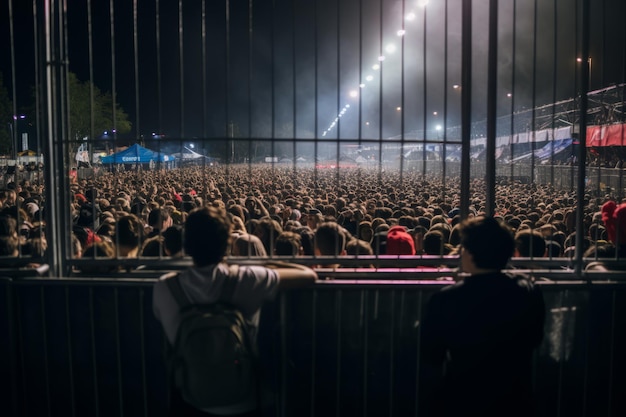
{"x":79,"y":347}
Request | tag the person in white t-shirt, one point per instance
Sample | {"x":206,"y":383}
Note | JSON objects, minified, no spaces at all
{"x":206,"y":239}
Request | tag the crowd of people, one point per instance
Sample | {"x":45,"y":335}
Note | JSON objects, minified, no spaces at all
{"x":254,"y":211}
{"x":305,"y":212}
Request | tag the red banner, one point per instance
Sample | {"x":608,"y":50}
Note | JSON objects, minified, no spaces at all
{"x":608,"y":135}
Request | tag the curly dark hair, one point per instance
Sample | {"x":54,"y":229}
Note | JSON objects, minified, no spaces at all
{"x":207,"y":233}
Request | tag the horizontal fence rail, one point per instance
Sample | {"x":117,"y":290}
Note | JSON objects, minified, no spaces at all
{"x":93,"y":347}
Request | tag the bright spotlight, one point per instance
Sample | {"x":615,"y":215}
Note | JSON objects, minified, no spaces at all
{"x":438,"y":127}
{"x":347,"y":106}
{"x":410,"y":17}
{"x":422,"y":3}
{"x":354,"y":94}
{"x":391,"y":48}
{"x":401,"y":32}
{"x":361,"y":85}
{"x":434,"y":113}
{"x":398,"y":108}
{"x":456,"y":86}
{"x":381,"y":58}
{"x":509,"y":95}
{"x":369,"y":78}
{"x":375,"y":67}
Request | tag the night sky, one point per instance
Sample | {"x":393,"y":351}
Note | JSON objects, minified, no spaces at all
{"x":299,"y":59}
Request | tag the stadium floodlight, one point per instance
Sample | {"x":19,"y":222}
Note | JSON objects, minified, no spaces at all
{"x":375,"y":67}
{"x":361,"y":85}
{"x":401,"y":32}
{"x":410,"y":16}
{"x":354,"y":94}
{"x":390,"y":49}
{"x":369,"y":78}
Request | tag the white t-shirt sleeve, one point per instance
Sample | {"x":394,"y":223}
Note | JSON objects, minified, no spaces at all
{"x":256,"y":284}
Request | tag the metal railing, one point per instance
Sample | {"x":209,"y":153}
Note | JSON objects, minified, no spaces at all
{"x":79,"y":347}
{"x":308,"y":87}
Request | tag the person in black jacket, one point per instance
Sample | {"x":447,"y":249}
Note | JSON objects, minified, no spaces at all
{"x":478,"y":335}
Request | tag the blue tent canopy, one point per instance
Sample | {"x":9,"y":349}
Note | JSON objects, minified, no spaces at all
{"x":136,"y":155}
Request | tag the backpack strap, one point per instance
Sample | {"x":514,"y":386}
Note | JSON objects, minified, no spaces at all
{"x":230,"y":282}
{"x":173,"y":283}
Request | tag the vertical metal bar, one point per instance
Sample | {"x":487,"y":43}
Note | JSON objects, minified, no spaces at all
{"x":136,"y":73}
{"x":380,"y":94}
{"x":492,"y":109}
{"x":92,"y":117}
{"x":45,"y":349}
{"x":283,"y":355}
{"x":513,"y":89}
{"x":13,"y":125}
{"x":418,"y":351}
{"x":157,"y":25}
{"x":364,"y":320}
{"x":294,"y":86}
{"x":444,"y":145}
{"x":14,"y":341}
{"x":338,"y":108}
{"x":94,"y":359}
{"x":18,"y":309}
{"x":392,"y":348}
{"x":612,"y":353}
{"x":181,"y":68}
{"x":402,"y":96}
{"x":113,"y":76}
{"x":70,"y":356}
{"x":582,"y":147}
{"x":466,"y":105}
{"x":425,"y":96}
{"x":228,"y":81}
{"x":313,"y":345}
{"x":338,"y":360}
{"x":316,"y":87}
{"x":120,"y":389}
{"x":532,"y":137}
{"x":561,"y":359}
{"x":56,"y":120}
{"x":142,"y":334}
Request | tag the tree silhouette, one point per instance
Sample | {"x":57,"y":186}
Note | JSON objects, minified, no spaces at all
{"x":82,"y":108}
{"x":6,"y":119}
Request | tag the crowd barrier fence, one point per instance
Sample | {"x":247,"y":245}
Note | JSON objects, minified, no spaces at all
{"x":78,"y":347}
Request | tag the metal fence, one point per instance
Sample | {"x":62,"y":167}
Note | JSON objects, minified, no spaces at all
{"x":415,"y":93}
{"x":93,"y":347}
